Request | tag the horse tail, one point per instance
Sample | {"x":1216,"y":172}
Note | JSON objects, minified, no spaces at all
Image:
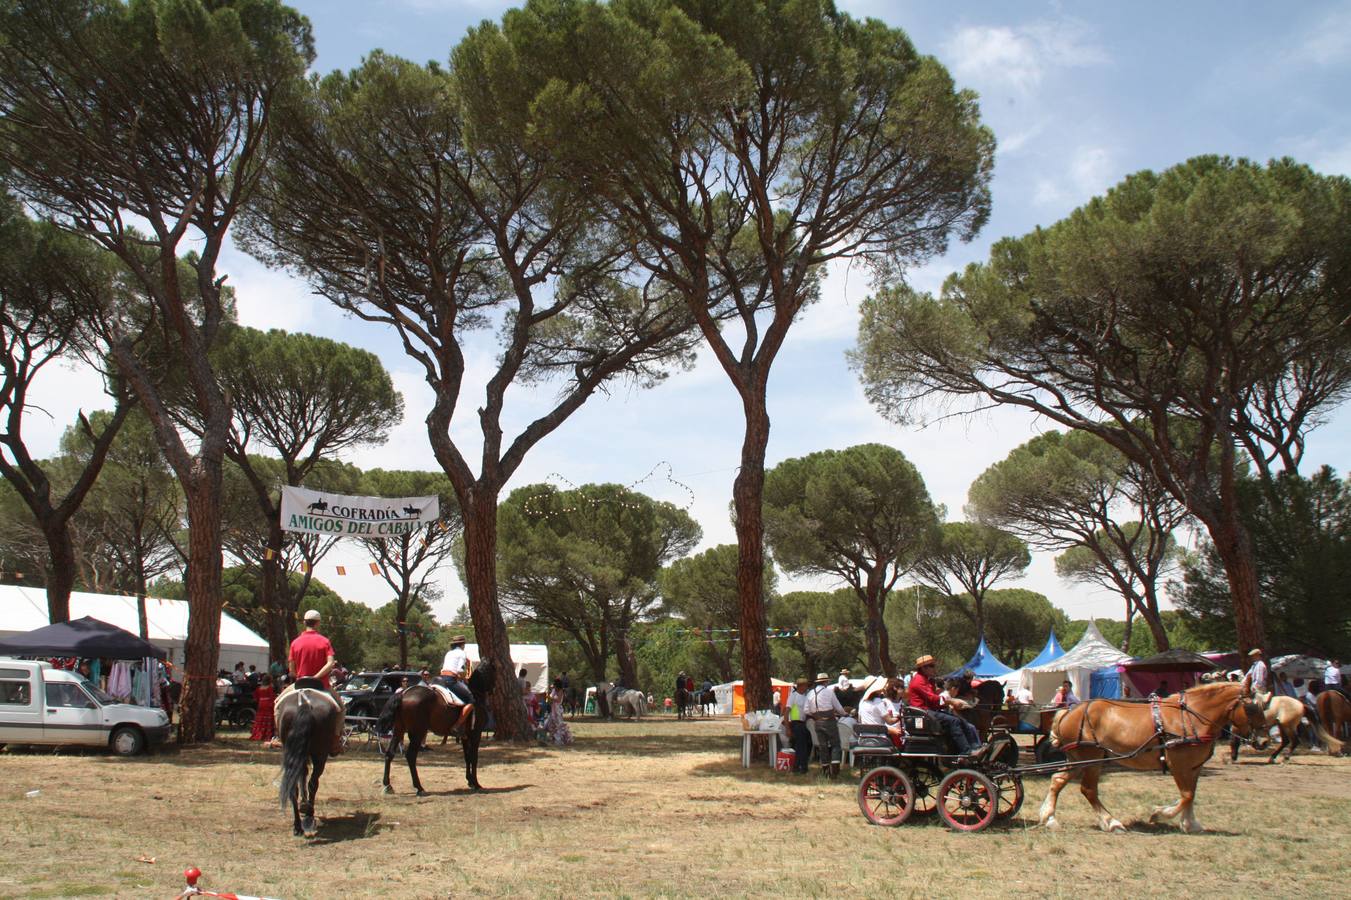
{"x":385,"y":722}
{"x":297,"y":749}
{"x":642,"y":703}
{"x":1333,"y":745}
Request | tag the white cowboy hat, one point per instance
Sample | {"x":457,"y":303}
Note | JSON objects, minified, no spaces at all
{"x":876,"y":685}
{"x":312,"y":615}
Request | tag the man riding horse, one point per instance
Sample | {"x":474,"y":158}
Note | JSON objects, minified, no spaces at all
{"x":311,"y":657}
{"x":455,"y":670}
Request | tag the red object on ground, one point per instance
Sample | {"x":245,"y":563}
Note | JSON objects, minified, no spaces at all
{"x":191,"y":875}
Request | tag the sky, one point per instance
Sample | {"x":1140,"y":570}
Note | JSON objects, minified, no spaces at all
{"x":1078,"y":96}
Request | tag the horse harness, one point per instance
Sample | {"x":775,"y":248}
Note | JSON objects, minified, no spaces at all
{"x":1167,"y":740}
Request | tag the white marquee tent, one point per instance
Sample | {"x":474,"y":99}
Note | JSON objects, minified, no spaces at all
{"x":23,"y":609}
{"x":1077,"y":665}
{"x":534,"y":657}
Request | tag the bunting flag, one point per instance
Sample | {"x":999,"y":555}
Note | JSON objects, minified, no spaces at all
{"x":304,"y":567}
{"x":375,"y":568}
{"x":269,"y":553}
{"x":342,"y":570}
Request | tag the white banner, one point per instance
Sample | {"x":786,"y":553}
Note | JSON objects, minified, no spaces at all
{"x":320,"y":512}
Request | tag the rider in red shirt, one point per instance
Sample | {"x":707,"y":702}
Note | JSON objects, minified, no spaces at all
{"x":923,"y":695}
{"x":312,"y":657}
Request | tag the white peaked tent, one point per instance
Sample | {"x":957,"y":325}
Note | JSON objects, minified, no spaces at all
{"x":24,"y":608}
{"x":1077,"y":665}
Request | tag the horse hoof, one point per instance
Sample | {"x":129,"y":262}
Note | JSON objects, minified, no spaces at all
{"x":1115,"y":827}
{"x":1051,"y":823}
{"x":387,"y":790}
{"x":421,"y":792}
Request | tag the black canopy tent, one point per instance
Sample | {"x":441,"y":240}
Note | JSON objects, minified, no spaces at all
{"x":87,"y":637}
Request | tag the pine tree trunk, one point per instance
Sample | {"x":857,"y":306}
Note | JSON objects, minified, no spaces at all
{"x":748,"y":498}
{"x":1130,"y":620}
{"x":402,"y":626}
{"x":60,"y":573}
{"x":204,"y":604}
{"x":628,"y":663}
{"x":480,"y":564}
{"x":884,"y":640}
{"x":1234,"y":547}
{"x":273,"y":603}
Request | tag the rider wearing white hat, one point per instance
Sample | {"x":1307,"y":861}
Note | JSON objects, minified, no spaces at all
{"x":312,"y":656}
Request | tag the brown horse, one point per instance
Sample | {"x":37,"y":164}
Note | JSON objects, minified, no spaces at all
{"x":1334,"y":710}
{"x":306,"y":720}
{"x":420,"y":709}
{"x":1189,"y":723}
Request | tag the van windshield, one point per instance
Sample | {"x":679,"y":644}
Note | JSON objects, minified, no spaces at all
{"x":98,"y":695}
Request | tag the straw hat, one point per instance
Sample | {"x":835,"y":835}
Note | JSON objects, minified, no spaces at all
{"x":876,"y":685}
{"x":458,"y":639}
{"x":822,"y":677}
{"x":1254,"y":652}
{"x":802,"y":681}
{"x":923,"y":661}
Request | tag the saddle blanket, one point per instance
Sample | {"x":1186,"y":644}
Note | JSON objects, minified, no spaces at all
{"x":446,"y":694}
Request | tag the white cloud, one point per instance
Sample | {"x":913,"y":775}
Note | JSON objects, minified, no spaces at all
{"x":1088,"y":172}
{"x":1016,"y":59}
{"x":1329,"y":42}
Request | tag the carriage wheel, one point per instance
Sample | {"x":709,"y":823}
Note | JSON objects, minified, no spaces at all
{"x":1008,"y":753}
{"x":967,"y":800}
{"x":886,"y":796}
{"x":1010,"y":786}
{"x":925,"y":778}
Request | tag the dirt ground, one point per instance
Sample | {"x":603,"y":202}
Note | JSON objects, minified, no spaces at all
{"x":657,"y":808}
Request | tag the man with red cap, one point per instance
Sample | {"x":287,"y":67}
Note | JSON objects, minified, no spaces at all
{"x":923,"y":695}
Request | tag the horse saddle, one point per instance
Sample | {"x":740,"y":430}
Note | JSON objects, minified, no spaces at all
{"x":447,"y":694}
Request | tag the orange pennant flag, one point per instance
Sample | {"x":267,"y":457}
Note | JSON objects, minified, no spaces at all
{"x":304,"y":567}
{"x":342,"y":570}
{"x":375,"y":569}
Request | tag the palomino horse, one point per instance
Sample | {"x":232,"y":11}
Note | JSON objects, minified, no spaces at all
{"x":1176,"y":734}
{"x":306,"y":721}
{"x":1285,"y":713}
{"x":1334,"y":711}
{"x":421,"y":709}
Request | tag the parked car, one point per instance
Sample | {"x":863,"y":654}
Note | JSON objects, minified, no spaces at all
{"x":366,"y":694}
{"x":40,"y":704}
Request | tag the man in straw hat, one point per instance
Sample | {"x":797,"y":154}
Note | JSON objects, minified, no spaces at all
{"x":795,"y":711}
{"x":923,"y":695}
{"x":823,"y":709}
{"x":1257,"y":681}
{"x":455,"y":670}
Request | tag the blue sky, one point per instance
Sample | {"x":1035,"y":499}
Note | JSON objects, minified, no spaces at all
{"x":1078,"y":95}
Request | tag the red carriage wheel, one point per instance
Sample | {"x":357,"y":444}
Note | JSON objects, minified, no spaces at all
{"x":1010,"y":788}
{"x":967,"y":800}
{"x":886,"y":796}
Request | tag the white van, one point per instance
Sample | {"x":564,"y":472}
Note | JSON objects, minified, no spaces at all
{"x":43,"y":705}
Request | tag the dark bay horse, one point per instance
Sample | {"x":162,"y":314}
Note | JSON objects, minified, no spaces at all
{"x":306,"y":720}
{"x":1189,"y":725}
{"x":420,"y":709}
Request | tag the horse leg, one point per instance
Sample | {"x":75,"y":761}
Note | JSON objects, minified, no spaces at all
{"x":1285,"y":742}
{"x":395,"y":738}
{"x":415,"y":739}
{"x":308,"y":824}
{"x":1089,"y":788}
{"x":1058,"y":782}
{"x":295,"y":807}
{"x":471,"y":745}
{"x":1186,"y":779}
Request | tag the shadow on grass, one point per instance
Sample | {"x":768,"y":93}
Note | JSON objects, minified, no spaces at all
{"x":1144,"y":826}
{"x":354,"y":827}
{"x":461,"y":792}
{"x":654,"y":745}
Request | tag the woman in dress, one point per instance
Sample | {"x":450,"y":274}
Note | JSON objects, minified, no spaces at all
{"x":264,"y":726}
{"x":557,"y":729}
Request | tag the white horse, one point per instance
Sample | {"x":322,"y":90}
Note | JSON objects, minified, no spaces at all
{"x":626,"y":699}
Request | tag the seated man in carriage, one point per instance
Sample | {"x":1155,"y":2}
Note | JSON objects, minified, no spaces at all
{"x":923,"y":695}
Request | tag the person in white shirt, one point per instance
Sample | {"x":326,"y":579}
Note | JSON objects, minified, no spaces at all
{"x":1024,"y":696}
{"x":823,"y":709}
{"x":455,"y":670}
{"x":1332,"y":676}
{"x":1258,"y":680}
{"x":843,"y":681}
{"x":878,"y":707}
{"x":795,"y":714}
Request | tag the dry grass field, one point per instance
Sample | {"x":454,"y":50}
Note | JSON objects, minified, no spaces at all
{"x":658,"y":808}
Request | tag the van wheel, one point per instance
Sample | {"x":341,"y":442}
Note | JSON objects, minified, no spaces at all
{"x":127,"y":741}
{"x":243,"y":718}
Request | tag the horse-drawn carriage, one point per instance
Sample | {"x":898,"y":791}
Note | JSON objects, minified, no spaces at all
{"x":923,"y":774}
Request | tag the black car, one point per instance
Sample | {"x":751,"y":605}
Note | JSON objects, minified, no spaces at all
{"x":367,"y":693}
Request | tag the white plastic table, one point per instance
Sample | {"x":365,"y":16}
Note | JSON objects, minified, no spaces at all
{"x":746,"y":737}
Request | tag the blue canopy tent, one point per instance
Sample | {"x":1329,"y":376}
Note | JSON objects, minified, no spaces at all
{"x":983,"y":664}
{"x":1052,"y":651}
